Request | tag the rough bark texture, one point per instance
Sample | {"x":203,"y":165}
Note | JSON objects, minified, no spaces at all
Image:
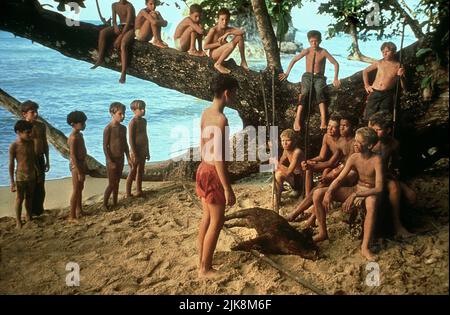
{"x":413,"y":23}
{"x":356,"y":53}
{"x":191,"y":75}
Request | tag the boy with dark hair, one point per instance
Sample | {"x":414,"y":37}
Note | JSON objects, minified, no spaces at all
{"x":388,"y":148}
{"x":139,"y":152}
{"x":22,"y":151}
{"x":41,"y":151}
{"x":78,"y":166}
{"x":320,"y":85}
{"x":289,"y":166}
{"x":212,"y":178}
{"x":219,"y":47}
{"x":115,"y":146}
{"x":381,"y":92}
{"x":149,"y":23}
{"x":190,"y":31}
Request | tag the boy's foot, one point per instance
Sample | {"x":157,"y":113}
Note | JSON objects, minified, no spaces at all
{"x":72,"y":220}
{"x":222,"y":69}
{"x":320,"y":238}
{"x":244,"y":65}
{"x":290,"y":217}
{"x":159,"y":44}
{"x":122,"y":79}
{"x":106,"y":207}
{"x":96,"y":65}
{"x":403,"y":233}
{"x":139,"y":194}
{"x":18,"y":225}
{"x":211,"y":273}
{"x":201,"y":53}
{"x":367,"y":254}
{"x":297,"y":126}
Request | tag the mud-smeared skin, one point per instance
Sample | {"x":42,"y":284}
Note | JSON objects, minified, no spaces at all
{"x":275,"y":234}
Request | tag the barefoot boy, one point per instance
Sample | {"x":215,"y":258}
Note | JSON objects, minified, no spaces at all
{"x":137,"y":129}
{"x":289,"y":166}
{"x":78,"y":166}
{"x":329,"y":155}
{"x":212,"y":179}
{"x":369,"y":167}
{"x":219,"y":47}
{"x":115,"y":146}
{"x":388,"y":148}
{"x":190,"y":31}
{"x":381,"y":92}
{"x":121,"y":35}
{"x":148,"y":25}
{"x":320,"y":81}
{"x":22,"y":151}
{"x":39,"y":137}
{"x":346,"y":146}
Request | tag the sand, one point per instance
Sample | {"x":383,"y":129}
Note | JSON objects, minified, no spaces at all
{"x":148,"y":246}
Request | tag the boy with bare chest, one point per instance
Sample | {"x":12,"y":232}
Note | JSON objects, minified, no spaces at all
{"x":115,"y":146}
{"x":78,"y":166}
{"x":381,"y":92}
{"x":149,"y":23}
{"x":190,"y":31}
{"x":139,"y":152}
{"x":22,"y":151}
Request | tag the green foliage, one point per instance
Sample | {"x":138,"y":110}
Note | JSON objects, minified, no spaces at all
{"x":423,"y":51}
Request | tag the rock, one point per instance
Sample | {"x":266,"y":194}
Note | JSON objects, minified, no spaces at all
{"x":430,"y":261}
{"x":136,"y":216}
{"x":290,"y":48}
{"x":143,"y":256}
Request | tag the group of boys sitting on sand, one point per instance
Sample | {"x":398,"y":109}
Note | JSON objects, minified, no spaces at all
{"x":188,"y":37}
{"x":357,"y":167}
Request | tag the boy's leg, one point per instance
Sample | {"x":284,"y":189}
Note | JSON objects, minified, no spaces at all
{"x":124,"y":49}
{"x":308,"y":181}
{"x":394,"y":199}
{"x":117,"y":176}
{"x":303,"y":206}
{"x":216,"y":213}
{"x":241,"y":45}
{"x":369,"y":223}
{"x":139,"y":175}
{"x":110,"y":169}
{"x":80,"y":212}
{"x":279,"y":179}
{"x":130,"y":179}
{"x":409,"y":194}
{"x":74,"y":197}
{"x":220,"y":54}
{"x":298,"y":118}
{"x":199,"y":39}
{"x":30,"y":187}
{"x":323,"y":116}
{"x":157,"y":41}
{"x":18,"y":205}
{"x":185,"y":40}
{"x":145,"y":32}
{"x":320,"y":87}
{"x":104,"y":36}
{"x":204,"y":224}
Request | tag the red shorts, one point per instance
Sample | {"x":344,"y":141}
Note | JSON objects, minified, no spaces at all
{"x":208,"y":185}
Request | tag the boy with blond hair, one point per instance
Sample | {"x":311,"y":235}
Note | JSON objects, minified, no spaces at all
{"x":190,"y":31}
{"x":320,"y":81}
{"x":139,"y":152}
{"x":41,"y":152}
{"x":218,"y":46}
{"x":22,"y":151}
{"x":289,"y":167}
{"x":78,"y":166}
{"x":115,"y":146}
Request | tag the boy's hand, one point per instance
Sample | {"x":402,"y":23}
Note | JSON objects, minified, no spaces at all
{"x":283,"y":76}
{"x":327,"y":179}
{"x":13,"y":187}
{"x":117,"y":41}
{"x":116,"y":30}
{"x":369,"y":89}
{"x":230,"y":197}
{"x":337,"y":83}
{"x":47,"y":166}
{"x":304,"y":165}
{"x":223,"y":39}
{"x":347,"y":205}
{"x":326,"y":201}
{"x":401,"y":72}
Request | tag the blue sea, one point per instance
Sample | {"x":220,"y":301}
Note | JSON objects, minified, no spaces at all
{"x":60,"y":85}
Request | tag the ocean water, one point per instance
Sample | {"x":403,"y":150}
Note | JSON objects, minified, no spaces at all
{"x":60,"y":85}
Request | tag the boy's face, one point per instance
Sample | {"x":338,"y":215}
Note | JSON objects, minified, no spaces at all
{"x":381,"y":133}
{"x":151,"y":5}
{"x":24,"y":135}
{"x":387,"y":54}
{"x":223,"y":21}
{"x":30,"y":115}
{"x":345,"y":128}
{"x":139,"y":112}
{"x":195,"y":17}
{"x":333,"y":128}
{"x":314,"y":42}
{"x":118,"y":116}
{"x":286,"y":143}
{"x":360,"y":144}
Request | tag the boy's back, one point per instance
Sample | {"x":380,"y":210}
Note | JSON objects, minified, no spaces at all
{"x":212,"y":121}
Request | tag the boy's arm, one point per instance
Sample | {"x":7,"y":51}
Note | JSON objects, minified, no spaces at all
{"x":219,"y":162}
{"x":283,"y":76}
{"x":236,"y":31}
{"x":106,"y":139}
{"x":209,"y":40}
{"x":333,"y":61}
{"x":148,"y":142}
{"x":114,"y":20}
{"x":337,"y":182}
{"x":46,"y":151}
{"x":132,"y":136}
{"x":12,"y":156}
{"x":127,"y":150}
{"x":161,"y":20}
{"x":331,"y":163}
{"x":365,"y":74}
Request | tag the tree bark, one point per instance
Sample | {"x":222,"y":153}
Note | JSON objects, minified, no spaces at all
{"x":413,"y":23}
{"x":267,"y":34}
{"x":356,"y":53}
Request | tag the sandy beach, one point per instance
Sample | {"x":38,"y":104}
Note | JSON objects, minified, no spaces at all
{"x":148,"y":246}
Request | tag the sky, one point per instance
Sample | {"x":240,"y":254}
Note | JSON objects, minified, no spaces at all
{"x":303,"y":19}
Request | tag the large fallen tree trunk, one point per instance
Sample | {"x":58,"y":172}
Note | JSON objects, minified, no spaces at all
{"x":191,"y":75}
